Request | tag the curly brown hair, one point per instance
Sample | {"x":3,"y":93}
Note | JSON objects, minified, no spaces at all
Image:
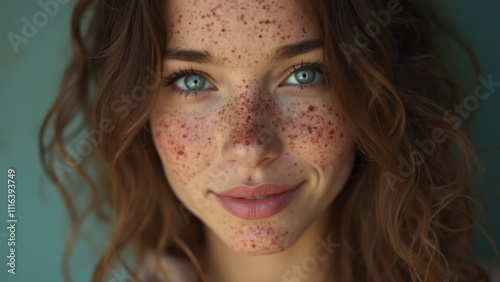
{"x":406,"y":213}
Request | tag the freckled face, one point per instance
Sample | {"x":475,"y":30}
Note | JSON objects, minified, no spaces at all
{"x":240,"y":110}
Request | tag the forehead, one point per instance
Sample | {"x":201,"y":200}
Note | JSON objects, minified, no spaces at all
{"x":238,"y":26}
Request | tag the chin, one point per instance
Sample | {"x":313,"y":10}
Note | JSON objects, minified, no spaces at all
{"x":258,"y":249}
{"x":260,"y":239}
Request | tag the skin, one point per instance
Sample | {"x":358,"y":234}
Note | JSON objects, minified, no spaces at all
{"x":250,"y":125}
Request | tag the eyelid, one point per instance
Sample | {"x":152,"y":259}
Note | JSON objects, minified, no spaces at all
{"x":176,"y":75}
{"x":316,"y":66}
{"x":170,"y":81}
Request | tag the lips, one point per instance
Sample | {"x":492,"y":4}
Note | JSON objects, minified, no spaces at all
{"x":257,"y":202}
{"x":259,"y":191}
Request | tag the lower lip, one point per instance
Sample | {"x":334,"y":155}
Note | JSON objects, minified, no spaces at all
{"x":258,"y":209}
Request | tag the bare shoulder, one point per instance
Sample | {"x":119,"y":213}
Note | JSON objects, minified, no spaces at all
{"x":494,"y":271}
{"x":178,"y":269}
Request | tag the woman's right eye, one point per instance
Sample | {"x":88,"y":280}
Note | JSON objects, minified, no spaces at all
{"x":192,"y":82}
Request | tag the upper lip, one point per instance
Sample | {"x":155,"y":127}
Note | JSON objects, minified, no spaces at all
{"x":262,"y":189}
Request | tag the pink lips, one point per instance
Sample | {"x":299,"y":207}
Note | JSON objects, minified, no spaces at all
{"x":277,"y":197}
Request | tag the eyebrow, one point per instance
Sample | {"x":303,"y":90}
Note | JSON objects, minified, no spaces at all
{"x":282,"y":53}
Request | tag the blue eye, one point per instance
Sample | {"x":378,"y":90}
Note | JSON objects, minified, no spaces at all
{"x":304,"y":76}
{"x":192,"y":82}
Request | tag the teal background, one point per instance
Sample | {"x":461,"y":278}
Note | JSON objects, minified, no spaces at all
{"x":29,"y":81}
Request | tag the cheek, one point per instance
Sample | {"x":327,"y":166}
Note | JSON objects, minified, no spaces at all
{"x":182,"y":142}
{"x":315,"y":131}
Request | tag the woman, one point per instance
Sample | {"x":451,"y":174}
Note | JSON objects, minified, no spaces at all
{"x":269,"y":140}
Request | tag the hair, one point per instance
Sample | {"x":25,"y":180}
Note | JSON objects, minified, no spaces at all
{"x":393,"y":225}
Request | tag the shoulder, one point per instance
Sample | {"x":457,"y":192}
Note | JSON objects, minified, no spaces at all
{"x":494,"y":271}
{"x":177,"y":268}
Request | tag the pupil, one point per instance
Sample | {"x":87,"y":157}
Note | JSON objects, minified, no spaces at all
{"x":194,"y":82}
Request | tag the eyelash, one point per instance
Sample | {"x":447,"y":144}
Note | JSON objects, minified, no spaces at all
{"x":176,"y":75}
{"x":316,"y":66}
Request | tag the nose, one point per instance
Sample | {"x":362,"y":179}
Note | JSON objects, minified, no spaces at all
{"x":251,"y":141}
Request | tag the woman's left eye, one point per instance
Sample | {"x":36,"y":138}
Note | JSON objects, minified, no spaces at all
{"x":304,"y":76}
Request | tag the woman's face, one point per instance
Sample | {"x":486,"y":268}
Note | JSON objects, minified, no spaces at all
{"x":244,"y":102}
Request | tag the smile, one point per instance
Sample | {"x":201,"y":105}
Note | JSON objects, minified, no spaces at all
{"x":258,"y":202}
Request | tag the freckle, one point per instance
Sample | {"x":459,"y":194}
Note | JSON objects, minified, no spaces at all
{"x":260,"y":36}
{"x":180,"y":152}
{"x":184,"y":135}
{"x":223,"y":30}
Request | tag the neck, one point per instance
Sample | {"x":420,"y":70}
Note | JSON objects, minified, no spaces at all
{"x":309,"y":258}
